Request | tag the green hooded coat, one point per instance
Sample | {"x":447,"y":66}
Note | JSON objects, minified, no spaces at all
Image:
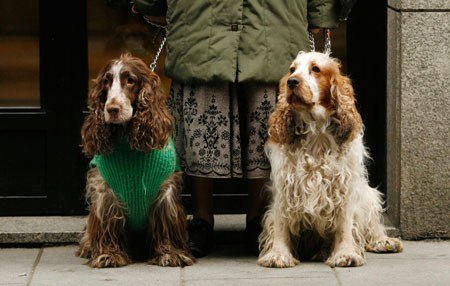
{"x":237,"y":40}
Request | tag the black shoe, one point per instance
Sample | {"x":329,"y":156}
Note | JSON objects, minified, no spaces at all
{"x":252,"y":232}
{"x":201,"y":237}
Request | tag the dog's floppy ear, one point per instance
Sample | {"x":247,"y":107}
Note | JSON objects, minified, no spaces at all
{"x":346,"y":120}
{"x":282,"y":120}
{"x":152,"y":123}
{"x":95,"y":134}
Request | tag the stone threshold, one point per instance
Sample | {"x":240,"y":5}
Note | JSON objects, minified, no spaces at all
{"x":67,"y":229}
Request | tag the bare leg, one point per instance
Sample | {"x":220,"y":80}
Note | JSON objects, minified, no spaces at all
{"x":256,"y":201}
{"x":255,"y":209}
{"x":201,"y":189}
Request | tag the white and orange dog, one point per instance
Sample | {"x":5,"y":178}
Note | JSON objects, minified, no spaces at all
{"x":318,"y":182}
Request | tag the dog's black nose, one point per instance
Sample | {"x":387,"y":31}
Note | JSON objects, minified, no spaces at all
{"x":293,"y":82}
{"x":113,"y":110}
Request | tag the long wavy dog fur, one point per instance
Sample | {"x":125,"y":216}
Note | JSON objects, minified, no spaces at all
{"x":318,"y":183}
{"x":125,"y":101}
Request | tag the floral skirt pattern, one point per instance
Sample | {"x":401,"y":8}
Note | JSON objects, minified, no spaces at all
{"x":220,"y":129}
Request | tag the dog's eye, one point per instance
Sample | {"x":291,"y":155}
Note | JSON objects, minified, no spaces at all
{"x":292,"y":69}
{"x":130,"y":81}
{"x":105,"y":82}
{"x":315,"y":69}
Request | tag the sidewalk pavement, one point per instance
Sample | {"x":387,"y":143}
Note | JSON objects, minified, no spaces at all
{"x":421,"y":263}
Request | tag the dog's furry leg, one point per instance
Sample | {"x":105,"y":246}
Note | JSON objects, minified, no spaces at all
{"x":275,"y":242}
{"x":346,"y":251}
{"x":103,"y":240}
{"x":167,"y":225}
{"x":85,"y":249}
{"x":375,"y":238}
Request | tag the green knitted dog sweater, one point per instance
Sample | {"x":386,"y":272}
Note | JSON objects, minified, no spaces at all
{"x":135,"y":178}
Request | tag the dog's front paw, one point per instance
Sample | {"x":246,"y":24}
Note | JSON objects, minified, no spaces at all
{"x":388,"y":244}
{"x":346,"y":259}
{"x":179,"y":258}
{"x":278,"y":260}
{"x":109,"y":260}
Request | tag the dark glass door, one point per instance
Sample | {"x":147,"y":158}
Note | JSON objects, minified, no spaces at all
{"x":43,"y":82}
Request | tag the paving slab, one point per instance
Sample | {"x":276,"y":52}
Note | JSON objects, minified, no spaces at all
{"x":284,"y":281}
{"x":233,"y":265}
{"x":58,"y":266}
{"x":421,"y":263}
{"x":16,"y":265}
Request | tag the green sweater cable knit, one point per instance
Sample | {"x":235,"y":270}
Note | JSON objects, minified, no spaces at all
{"x":135,"y":178}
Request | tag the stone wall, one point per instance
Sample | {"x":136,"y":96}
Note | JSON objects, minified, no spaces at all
{"x":418,"y":121}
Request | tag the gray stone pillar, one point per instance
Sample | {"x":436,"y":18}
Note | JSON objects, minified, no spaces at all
{"x":418,"y":121}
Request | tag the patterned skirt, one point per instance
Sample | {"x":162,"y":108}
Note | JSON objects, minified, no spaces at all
{"x":220,"y":129}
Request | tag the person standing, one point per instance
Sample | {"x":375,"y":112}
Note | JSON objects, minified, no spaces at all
{"x":225,"y":59}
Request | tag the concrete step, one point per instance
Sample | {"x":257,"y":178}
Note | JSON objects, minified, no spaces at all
{"x":67,"y":229}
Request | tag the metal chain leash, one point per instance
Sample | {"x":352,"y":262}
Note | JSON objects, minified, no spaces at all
{"x":157,"y":25}
{"x":158,"y":53}
{"x":154,"y":24}
{"x":312,"y":45}
{"x":327,"y":44}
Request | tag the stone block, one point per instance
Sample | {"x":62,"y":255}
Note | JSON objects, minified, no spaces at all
{"x":419,"y":4}
{"x":393,"y":117}
{"x":41,"y":229}
{"x":425,"y":132}
{"x":419,"y":133}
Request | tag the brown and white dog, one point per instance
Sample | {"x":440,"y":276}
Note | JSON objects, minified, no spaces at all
{"x":125,"y":102}
{"x":318,"y":182}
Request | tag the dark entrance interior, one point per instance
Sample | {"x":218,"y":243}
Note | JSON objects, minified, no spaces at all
{"x":41,"y":168}
{"x":367,"y":56}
